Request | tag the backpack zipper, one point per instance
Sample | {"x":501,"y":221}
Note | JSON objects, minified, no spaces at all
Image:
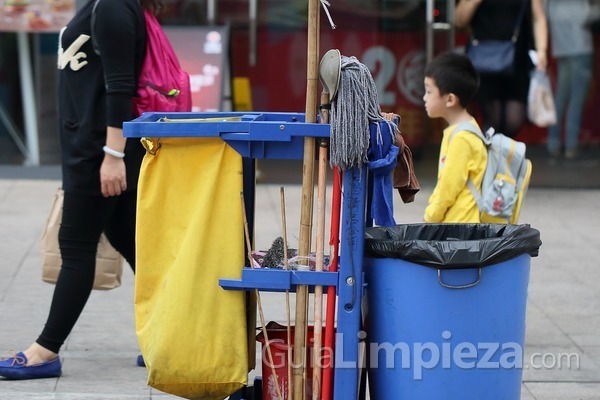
{"x":170,"y":93}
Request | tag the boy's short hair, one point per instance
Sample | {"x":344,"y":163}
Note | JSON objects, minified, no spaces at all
{"x":454,"y":73}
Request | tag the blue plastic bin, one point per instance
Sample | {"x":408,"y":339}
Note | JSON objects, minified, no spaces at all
{"x":452,"y":325}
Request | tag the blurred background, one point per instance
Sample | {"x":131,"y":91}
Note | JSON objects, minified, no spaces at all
{"x":250,"y":55}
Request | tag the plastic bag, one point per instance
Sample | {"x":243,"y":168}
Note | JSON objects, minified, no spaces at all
{"x":540,"y":103}
{"x":448,"y":246}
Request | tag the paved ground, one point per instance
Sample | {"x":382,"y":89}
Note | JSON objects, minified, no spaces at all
{"x":563,"y":317}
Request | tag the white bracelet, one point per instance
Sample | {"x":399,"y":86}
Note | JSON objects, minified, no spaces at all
{"x":112,"y":152}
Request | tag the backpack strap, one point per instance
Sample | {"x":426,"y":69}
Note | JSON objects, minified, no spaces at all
{"x":471,"y":127}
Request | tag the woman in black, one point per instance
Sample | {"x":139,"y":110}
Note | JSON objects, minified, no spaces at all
{"x":99,"y":166}
{"x":503,"y":98}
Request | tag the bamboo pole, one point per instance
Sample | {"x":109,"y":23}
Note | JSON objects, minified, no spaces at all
{"x":260,"y":309}
{"x":312,"y":78}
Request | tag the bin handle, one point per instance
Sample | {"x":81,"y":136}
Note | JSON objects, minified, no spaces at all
{"x":441,"y":282}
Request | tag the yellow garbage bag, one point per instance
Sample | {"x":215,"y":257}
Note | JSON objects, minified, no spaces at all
{"x":192,"y":333}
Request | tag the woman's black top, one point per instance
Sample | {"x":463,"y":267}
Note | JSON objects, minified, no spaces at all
{"x":97,"y":91}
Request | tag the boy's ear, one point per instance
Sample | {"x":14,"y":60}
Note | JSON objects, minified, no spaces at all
{"x":451,"y":100}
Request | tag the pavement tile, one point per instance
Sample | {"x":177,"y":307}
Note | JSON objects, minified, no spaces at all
{"x":564,"y":390}
{"x":556,"y":363}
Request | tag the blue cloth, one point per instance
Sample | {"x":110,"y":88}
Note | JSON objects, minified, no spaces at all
{"x":382,"y":157}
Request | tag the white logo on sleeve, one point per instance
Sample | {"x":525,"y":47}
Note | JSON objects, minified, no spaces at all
{"x":72,"y":55}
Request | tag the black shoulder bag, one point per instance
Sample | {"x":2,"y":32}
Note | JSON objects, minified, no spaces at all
{"x":495,"y":56}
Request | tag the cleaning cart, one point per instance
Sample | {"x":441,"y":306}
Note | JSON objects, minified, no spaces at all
{"x":262,"y":135}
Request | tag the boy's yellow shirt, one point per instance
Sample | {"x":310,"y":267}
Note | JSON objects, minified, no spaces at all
{"x":461,"y":159}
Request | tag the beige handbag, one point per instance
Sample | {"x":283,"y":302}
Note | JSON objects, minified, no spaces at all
{"x":109,"y":263}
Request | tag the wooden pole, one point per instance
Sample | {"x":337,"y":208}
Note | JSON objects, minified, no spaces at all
{"x":320,"y":254}
{"x":287,"y":294}
{"x":260,"y":309}
{"x":312,"y":78}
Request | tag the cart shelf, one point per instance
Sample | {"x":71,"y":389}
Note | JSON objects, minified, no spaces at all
{"x":267,"y":135}
{"x":272,"y":279}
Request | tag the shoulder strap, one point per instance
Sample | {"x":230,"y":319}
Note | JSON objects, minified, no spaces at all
{"x":519,"y":21}
{"x":517,"y":28}
{"x":471,"y":127}
{"x":93,"y":23}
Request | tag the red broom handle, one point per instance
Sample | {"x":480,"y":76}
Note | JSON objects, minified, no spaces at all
{"x":334,"y":241}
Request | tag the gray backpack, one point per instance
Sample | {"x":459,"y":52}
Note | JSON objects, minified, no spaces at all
{"x":506,"y":177}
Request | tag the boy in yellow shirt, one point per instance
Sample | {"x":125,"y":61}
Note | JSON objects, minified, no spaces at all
{"x":450,"y":84}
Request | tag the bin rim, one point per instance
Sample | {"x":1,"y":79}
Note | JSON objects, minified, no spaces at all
{"x":440,"y":245}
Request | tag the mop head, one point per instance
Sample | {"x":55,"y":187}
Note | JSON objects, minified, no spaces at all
{"x":355,"y":106}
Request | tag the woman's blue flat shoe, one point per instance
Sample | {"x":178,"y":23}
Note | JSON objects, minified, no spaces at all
{"x":16,"y":367}
{"x":140,"y":361}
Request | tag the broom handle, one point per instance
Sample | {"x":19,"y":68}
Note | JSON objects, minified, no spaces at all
{"x":307,"y":197}
{"x":334,"y":242}
{"x":320,"y":254}
{"x":260,"y":309}
{"x":287,"y":294}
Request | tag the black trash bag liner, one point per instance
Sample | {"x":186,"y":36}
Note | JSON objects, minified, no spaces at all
{"x":452,"y":246}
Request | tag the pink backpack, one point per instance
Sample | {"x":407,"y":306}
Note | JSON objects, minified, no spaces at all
{"x":163,"y":86}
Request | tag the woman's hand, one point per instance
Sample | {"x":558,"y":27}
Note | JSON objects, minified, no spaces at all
{"x":112,"y":176}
